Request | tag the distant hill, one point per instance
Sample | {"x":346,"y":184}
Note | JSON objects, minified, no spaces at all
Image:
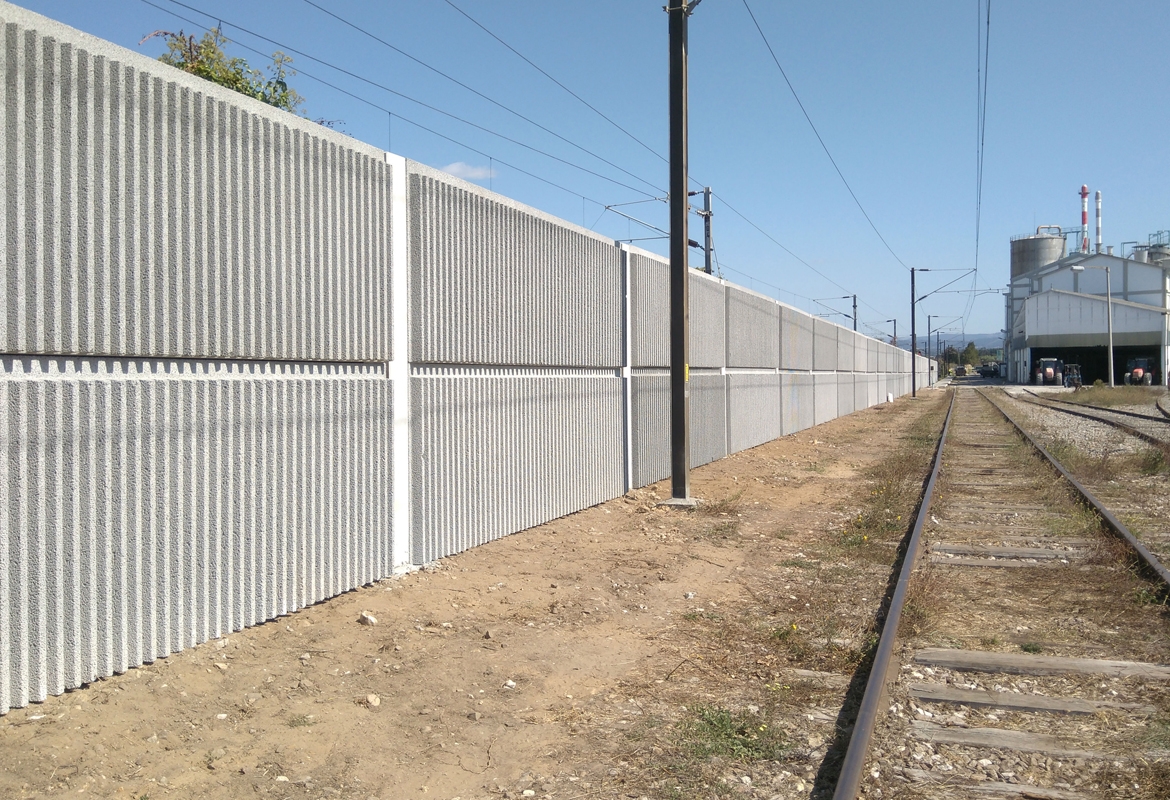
{"x":982,"y":341}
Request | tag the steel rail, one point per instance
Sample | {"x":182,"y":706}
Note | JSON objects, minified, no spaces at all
{"x":1136,"y":414}
{"x":1129,"y":429}
{"x":853,"y":767}
{"x":1113,"y":523}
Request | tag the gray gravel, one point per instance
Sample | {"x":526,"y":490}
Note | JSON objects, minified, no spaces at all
{"x":1095,"y":439}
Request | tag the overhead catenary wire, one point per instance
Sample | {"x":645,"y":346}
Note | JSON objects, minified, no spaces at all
{"x":646,"y":146}
{"x":476,"y":92}
{"x":576,"y":96}
{"x":395,"y":92}
{"x":824,"y":146}
{"x":372,"y":104}
{"x":776,"y":242}
{"x":537,"y":67}
{"x":604,"y":206}
{"x":982,"y":58}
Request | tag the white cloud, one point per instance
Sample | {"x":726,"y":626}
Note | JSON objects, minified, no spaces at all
{"x":468,"y":172}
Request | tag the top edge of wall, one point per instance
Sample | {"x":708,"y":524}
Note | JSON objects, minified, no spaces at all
{"x":418,"y":168}
{"x":633,"y":249}
{"x":52,"y":29}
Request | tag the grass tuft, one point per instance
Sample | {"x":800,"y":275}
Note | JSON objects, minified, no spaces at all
{"x":1117,"y":396}
{"x":726,"y":505}
{"x":714,"y":731}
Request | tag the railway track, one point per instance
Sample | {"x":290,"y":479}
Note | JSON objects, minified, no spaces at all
{"x":1153,"y":428}
{"x":1030,"y":659}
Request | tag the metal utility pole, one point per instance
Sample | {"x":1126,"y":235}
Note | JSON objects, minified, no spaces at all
{"x":855,"y":312}
{"x":913,"y":338}
{"x":678,"y":11}
{"x":913,"y":331}
{"x":707,"y":229}
{"x":706,"y":215}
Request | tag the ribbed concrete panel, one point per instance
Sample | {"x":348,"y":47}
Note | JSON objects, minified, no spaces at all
{"x":150,"y":213}
{"x":650,"y":421}
{"x":844,"y":349}
{"x":796,"y":339}
{"x":845,"y":394}
{"x":860,"y":352}
{"x":753,"y":330}
{"x":796,"y":402}
{"x":148,"y":506}
{"x":824,"y":397}
{"x":753,"y":402}
{"x":708,"y":311}
{"x":824,"y":346}
{"x":498,"y":451}
{"x":649,"y":310}
{"x":860,"y":391}
{"x":708,"y":407}
{"x":494,"y":282}
{"x":871,"y":359}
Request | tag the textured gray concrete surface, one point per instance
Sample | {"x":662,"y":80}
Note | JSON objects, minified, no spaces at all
{"x":148,"y":212}
{"x":753,"y":330}
{"x":147,"y":506}
{"x":796,"y":340}
{"x":845,"y":396}
{"x":797,"y":402}
{"x":649,"y":316}
{"x":497,"y":283}
{"x":753,"y":409}
{"x":708,"y":318}
{"x":498,"y":451}
{"x":708,"y":411}
{"x":824,"y":346}
{"x":212,"y":414}
{"x":650,"y":427}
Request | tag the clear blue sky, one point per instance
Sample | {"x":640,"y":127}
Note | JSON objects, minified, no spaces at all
{"x":1076,"y":94}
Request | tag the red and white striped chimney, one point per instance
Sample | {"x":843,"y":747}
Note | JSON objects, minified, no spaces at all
{"x":1098,"y":220}
{"x":1084,"y":218}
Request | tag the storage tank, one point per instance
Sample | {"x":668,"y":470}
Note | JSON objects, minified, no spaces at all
{"x":1158,"y":254}
{"x":1033,"y":251}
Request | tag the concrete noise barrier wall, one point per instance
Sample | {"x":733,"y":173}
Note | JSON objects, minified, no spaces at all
{"x":247,"y":363}
{"x":197,"y":326}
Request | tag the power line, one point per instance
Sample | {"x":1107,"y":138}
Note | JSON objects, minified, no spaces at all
{"x":396,"y":93}
{"x":818,"y":135}
{"x":381,"y":108}
{"x":476,"y":92}
{"x":536,"y":67}
{"x":982,"y":52}
{"x":776,"y":242}
{"x":605,"y":207}
{"x":663,"y":158}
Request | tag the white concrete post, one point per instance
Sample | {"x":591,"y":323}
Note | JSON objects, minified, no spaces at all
{"x":398,"y":370}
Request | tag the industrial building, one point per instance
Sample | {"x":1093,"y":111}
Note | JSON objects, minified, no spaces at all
{"x":1058,"y":303}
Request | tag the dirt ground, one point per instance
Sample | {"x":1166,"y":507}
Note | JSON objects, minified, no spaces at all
{"x":628,"y":650}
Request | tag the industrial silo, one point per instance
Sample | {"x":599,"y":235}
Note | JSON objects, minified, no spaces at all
{"x":1033,"y":251}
